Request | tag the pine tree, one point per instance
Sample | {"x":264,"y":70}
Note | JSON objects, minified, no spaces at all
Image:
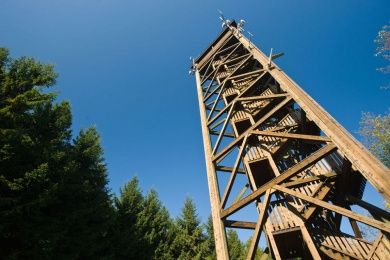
{"x":189,"y":240}
{"x":53,"y":196}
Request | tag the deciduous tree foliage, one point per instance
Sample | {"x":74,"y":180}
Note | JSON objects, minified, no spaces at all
{"x":376,"y":130}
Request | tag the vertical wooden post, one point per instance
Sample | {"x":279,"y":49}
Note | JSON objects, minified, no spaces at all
{"x":218,"y":225}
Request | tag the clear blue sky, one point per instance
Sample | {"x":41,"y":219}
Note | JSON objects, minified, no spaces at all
{"x":124,"y":67}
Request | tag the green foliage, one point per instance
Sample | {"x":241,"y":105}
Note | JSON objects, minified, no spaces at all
{"x":157,"y":227}
{"x":209,"y":243}
{"x":189,"y":240}
{"x":236,"y":248}
{"x":143,"y":226}
{"x":127,"y":237}
{"x":259,"y":251}
{"x":53,"y":196}
{"x":376,"y":130}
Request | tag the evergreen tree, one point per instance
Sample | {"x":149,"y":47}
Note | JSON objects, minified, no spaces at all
{"x":143,"y":227}
{"x":53,"y":196}
{"x":156,"y":226}
{"x":259,"y":251}
{"x":189,"y":240}
{"x":128,"y":240}
{"x":209,"y":241}
{"x":236,"y":248}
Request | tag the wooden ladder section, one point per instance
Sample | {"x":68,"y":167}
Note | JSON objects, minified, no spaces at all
{"x":305,"y":172}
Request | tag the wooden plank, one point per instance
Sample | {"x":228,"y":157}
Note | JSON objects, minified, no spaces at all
{"x":302,"y":165}
{"x":371,"y":222}
{"x":259,"y":227}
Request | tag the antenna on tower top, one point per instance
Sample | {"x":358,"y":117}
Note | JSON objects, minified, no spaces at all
{"x":240,"y":25}
{"x":225,"y":22}
{"x":192,"y":68}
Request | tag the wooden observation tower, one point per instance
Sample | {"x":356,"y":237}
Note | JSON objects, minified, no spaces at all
{"x":270,"y":147}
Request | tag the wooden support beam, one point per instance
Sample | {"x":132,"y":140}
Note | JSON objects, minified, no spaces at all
{"x":222,"y":131}
{"x":229,"y":169}
{"x":234,"y":59}
{"x":324,"y":190}
{"x":313,"y":138}
{"x":240,"y":224}
{"x":308,"y":179}
{"x":215,"y":109}
{"x":302,"y":165}
{"x":259,"y":226}
{"x":241,"y":193}
{"x":247,"y":74}
{"x":228,"y":48}
{"x":350,"y":214}
{"x":256,"y":98}
{"x":230,"y":135}
{"x":354,"y":225}
{"x":218,"y":226}
{"x":229,"y":185}
{"x":369,"y":207}
{"x":217,"y":124}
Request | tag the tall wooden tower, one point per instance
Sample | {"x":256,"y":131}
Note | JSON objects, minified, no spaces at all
{"x":268,"y":145}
